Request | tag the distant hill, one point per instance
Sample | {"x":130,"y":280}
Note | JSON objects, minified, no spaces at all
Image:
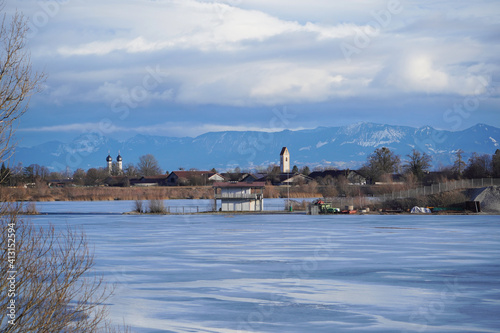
{"x":346,"y":146}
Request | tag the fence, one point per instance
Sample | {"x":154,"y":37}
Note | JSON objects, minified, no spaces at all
{"x":191,"y":209}
{"x":441,"y":187}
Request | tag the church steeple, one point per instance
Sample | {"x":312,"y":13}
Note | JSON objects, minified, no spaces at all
{"x":285,"y":160}
{"x":119,"y":162}
{"x":109,"y":161}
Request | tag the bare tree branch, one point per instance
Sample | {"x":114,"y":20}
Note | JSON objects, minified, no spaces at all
{"x":18,"y":80}
{"x":56,"y":290}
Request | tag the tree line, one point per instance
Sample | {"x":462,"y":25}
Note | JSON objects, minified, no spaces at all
{"x":417,"y":165}
{"x":379,"y":166}
{"x":36,"y":174}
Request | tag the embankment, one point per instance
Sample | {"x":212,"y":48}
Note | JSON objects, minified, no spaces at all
{"x":104,"y":193}
{"x":489,"y":197}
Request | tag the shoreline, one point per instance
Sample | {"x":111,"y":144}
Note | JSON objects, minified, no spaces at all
{"x":270,"y":212}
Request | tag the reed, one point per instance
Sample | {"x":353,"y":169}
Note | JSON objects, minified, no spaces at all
{"x":156,"y":207}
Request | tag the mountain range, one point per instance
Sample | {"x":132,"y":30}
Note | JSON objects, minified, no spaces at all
{"x":341,"y":147}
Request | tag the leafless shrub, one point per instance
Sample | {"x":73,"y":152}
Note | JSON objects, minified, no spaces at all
{"x":54,"y":286}
{"x":139,"y":206}
{"x":157,"y":207}
{"x":30,"y":209}
{"x":297,"y":205}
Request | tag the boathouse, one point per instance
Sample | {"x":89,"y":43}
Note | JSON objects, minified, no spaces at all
{"x":239,"y":196}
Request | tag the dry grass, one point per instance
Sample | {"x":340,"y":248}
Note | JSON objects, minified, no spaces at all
{"x":104,"y":193}
{"x":20,"y":208}
{"x":444,"y":199}
{"x":101,"y":193}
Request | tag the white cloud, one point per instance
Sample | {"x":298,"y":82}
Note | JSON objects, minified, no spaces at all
{"x":174,"y":129}
{"x":205,"y":26}
{"x":263,"y":53}
{"x":76,"y":127}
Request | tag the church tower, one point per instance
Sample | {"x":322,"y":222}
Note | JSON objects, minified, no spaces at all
{"x":109,"y":160}
{"x":285,"y":160}
{"x":119,"y":163}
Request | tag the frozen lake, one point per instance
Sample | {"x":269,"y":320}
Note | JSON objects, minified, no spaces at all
{"x":295,"y":273}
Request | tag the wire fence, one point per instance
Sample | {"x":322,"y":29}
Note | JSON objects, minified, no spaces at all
{"x":441,"y":187}
{"x":191,"y":209}
{"x":358,"y":201}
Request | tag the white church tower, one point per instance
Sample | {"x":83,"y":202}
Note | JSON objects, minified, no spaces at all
{"x":119,"y":163}
{"x":285,"y":160}
{"x":109,"y":160}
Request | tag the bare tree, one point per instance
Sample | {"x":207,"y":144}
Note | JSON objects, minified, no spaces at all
{"x":479,"y":166}
{"x":131,"y":171}
{"x":381,"y":161}
{"x":47,"y":280}
{"x":18,"y":80}
{"x":417,"y":164}
{"x":79,"y":176}
{"x":148,"y":166}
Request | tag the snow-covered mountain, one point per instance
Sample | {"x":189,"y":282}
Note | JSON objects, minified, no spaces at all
{"x":346,"y":146}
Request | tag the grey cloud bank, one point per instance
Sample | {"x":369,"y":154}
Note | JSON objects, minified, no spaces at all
{"x":230,"y":63}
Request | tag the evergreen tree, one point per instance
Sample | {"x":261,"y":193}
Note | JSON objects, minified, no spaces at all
{"x":459,"y":164}
{"x":305,"y":171}
{"x":4,"y":175}
{"x":496,"y":164}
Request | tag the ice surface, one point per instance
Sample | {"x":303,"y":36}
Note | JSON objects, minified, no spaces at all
{"x":297,"y":273}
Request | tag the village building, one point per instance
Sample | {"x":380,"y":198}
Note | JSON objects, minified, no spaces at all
{"x":239,"y":196}
{"x":239,"y":177}
{"x":281,"y":179}
{"x":160,"y":180}
{"x":353,"y":177}
{"x":194,"y":178}
{"x":392,"y":179}
{"x":282,"y":175}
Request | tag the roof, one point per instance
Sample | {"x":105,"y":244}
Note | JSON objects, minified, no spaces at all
{"x":283,"y":150}
{"x":239,"y":185}
{"x":332,"y":173}
{"x":184,"y":174}
{"x":237,"y":176}
{"x":282,"y":177}
{"x":153,"y":178}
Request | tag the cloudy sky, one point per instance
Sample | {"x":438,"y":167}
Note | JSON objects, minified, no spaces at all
{"x":185,"y":67}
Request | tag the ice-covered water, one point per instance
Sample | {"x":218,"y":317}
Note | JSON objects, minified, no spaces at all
{"x":297,"y":273}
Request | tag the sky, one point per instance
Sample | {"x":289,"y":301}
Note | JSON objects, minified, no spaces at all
{"x":185,"y":67}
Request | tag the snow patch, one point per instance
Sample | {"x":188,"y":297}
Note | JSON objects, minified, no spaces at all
{"x":494,"y":142}
{"x":321,"y":144}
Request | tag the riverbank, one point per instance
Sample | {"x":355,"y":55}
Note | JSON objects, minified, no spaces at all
{"x":104,"y":193}
{"x":489,"y":197}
